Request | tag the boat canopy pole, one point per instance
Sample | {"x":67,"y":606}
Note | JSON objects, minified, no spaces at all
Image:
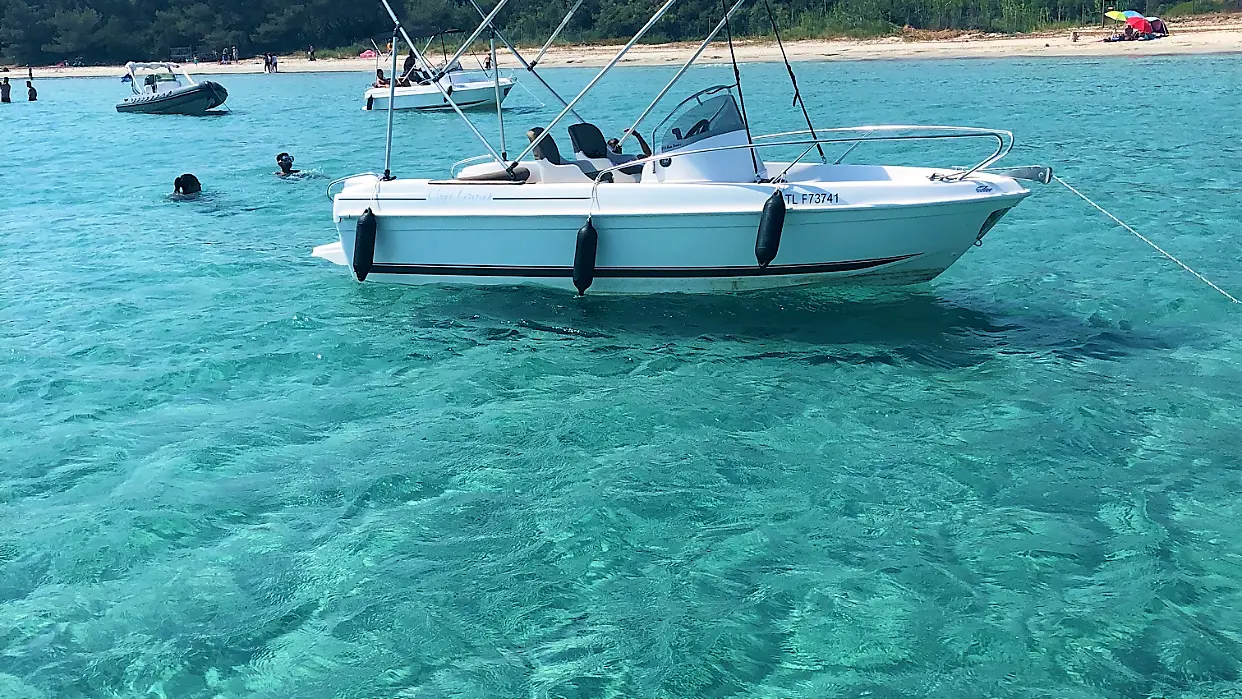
{"x":555,"y":33}
{"x":530,"y":67}
{"x":486,"y":23}
{"x":392,"y":99}
{"x":418,"y":57}
{"x":615,"y":60}
{"x":797,"y":94}
{"x":702,"y":47}
{"x":737,"y":80}
{"x":500,"y":115}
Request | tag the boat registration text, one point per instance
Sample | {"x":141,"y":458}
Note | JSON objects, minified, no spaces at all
{"x":812,"y":198}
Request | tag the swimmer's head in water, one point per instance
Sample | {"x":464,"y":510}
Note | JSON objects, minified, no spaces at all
{"x":285,"y":161}
{"x":187,"y":184}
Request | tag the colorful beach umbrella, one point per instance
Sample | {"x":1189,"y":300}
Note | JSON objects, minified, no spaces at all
{"x":1140,"y":24}
{"x":1132,"y":13}
{"x":1114,"y":14}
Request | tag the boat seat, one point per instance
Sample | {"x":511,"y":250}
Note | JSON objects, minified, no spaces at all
{"x":546,"y":150}
{"x":589,"y":141}
{"x":520,"y":175}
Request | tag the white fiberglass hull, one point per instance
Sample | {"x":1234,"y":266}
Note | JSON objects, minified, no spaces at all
{"x":672,"y":237}
{"x":466,"y":95}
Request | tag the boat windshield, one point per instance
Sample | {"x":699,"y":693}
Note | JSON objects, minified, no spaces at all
{"x":711,"y":117}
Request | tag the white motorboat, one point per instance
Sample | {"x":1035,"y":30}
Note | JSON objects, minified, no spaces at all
{"x":431,"y":88}
{"x":703,"y":211}
{"x":166,"y":88}
{"x":469,"y":89}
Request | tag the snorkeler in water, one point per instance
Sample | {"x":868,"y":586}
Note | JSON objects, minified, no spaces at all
{"x":187,"y":184}
{"x":285,"y":161}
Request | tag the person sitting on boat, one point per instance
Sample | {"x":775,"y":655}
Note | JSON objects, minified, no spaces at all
{"x":285,"y":161}
{"x":186,"y":185}
{"x":380,"y":80}
{"x":410,"y":73}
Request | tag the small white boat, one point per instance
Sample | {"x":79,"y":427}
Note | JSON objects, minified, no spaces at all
{"x":468,"y":89}
{"x":166,"y":88}
{"x":701,"y":212}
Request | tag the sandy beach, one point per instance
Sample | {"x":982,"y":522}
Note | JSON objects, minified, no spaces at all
{"x":1201,"y":35}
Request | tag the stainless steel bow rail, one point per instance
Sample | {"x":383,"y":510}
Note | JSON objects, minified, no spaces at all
{"x":1004,"y":144}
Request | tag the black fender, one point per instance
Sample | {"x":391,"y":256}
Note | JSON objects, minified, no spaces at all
{"x":771,"y":223}
{"x":364,"y":245}
{"x":584,"y":257}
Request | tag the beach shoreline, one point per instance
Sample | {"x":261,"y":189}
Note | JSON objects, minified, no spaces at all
{"x":1196,"y":35}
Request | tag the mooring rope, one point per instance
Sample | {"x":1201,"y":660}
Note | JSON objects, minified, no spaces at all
{"x":532,"y":95}
{"x":1140,"y":236}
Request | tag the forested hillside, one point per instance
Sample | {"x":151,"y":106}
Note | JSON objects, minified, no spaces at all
{"x":43,"y":31}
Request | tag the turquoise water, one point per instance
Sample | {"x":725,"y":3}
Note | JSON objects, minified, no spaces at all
{"x":227,"y":470}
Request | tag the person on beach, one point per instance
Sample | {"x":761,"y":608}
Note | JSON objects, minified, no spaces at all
{"x":187,"y":185}
{"x":310,"y":53}
{"x":285,"y":161}
{"x":235,"y":57}
{"x":31,"y":93}
{"x":5,"y":90}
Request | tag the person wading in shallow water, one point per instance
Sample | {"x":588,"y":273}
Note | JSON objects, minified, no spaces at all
{"x":31,"y":93}
{"x":187,"y":184}
{"x":5,"y":90}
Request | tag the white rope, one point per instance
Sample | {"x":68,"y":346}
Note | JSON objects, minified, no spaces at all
{"x":1140,"y":236}
{"x":532,"y":95}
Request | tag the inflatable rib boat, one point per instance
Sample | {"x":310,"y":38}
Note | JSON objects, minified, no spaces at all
{"x":158,"y":89}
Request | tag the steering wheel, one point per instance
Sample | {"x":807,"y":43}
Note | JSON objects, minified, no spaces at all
{"x":701,"y":126}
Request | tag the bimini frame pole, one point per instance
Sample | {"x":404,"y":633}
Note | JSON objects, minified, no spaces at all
{"x":418,"y":57}
{"x":547,"y":44}
{"x":392,"y":99}
{"x":615,"y":60}
{"x":694,"y":57}
{"x":486,"y":23}
{"x":530,"y":67}
{"x":500,"y":115}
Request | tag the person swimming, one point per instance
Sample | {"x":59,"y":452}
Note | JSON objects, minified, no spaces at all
{"x":31,"y":92}
{"x":5,"y":89}
{"x":285,"y":161}
{"x":186,"y":185}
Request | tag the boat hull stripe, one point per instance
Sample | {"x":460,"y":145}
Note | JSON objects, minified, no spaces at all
{"x":633,"y":272}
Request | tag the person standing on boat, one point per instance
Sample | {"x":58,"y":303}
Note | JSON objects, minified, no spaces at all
{"x":31,"y":93}
{"x":5,"y":90}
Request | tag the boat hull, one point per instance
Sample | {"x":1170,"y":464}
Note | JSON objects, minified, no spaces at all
{"x":472,"y":95}
{"x":190,"y":100}
{"x":667,"y":238}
